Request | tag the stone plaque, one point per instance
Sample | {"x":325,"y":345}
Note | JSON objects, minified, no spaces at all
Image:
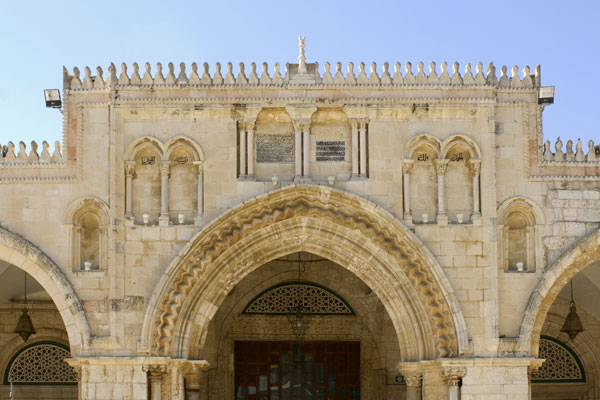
{"x":331,"y":150}
{"x":274,"y":149}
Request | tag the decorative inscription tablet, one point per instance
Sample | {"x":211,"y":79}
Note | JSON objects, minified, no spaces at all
{"x":331,"y":150}
{"x":274,"y":149}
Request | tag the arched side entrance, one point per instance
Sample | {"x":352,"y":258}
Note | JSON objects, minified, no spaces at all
{"x":342,"y":227}
{"x":16,"y":250}
{"x":577,"y":258}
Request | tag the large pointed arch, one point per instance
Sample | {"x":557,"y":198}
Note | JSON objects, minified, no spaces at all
{"x":342,"y":227}
{"x":18,"y":251}
{"x":580,"y":256}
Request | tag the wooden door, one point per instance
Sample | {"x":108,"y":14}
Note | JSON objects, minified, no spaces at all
{"x":297,"y":370}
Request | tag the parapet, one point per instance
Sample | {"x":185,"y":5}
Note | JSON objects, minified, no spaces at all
{"x":10,"y":156}
{"x":570,"y":156}
{"x":312,"y":76}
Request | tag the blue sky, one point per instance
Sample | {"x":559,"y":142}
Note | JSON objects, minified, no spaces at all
{"x":38,"y":37}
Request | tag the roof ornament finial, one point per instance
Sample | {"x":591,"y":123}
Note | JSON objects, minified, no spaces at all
{"x":301,"y":57}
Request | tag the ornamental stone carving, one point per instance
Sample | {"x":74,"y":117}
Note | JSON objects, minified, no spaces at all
{"x":331,"y":208}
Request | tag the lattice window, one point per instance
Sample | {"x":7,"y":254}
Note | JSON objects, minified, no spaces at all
{"x":41,"y":363}
{"x":315,"y":299}
{"x":561,"y":365}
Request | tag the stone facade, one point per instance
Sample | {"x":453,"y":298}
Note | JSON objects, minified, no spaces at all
{"x":428,"y":202}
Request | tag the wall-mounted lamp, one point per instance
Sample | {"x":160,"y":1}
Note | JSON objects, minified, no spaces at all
{"x":52,"y":97}
{"x":274,"y":180}
{"x":546,"y":95}
{"x":146,"y":218}
{"x":87,"y":266}
{"x":425,"y":217}
{"x":180,"y":219}
{"x":460,"y":218}
{"x":331,"y":180}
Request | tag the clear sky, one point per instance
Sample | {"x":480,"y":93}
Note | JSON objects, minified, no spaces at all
{"x":38,"y":37}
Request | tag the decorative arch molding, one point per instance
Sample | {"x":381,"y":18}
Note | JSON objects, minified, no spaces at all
{"x":469,"y":143}
{"x":18,"y":251}
{"x":577,"y":258}
{"x":88,"y":201}
{"x":163,"y":149}
{"x":140,"y":143}
{"x":540,"y":218}
{"x":422,"y":139}
{"x":342,"y":227}
{"x":172,"y":143}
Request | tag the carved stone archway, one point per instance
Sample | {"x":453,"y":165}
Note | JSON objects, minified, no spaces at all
{"x":16,"y":250}
{"x":577,"y":258}
{"x":342,"y":227}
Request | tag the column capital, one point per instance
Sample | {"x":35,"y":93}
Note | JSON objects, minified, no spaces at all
{"x":441,"y":166}
{"x":155,"y":372}
{"x":165,"y":168}
{"x":129,"y":168}
{"x":453,"y":375}
{"x":407,"y":164}
{"x":198,"y":167}
{"x":412,"y":372}
{"x":475,"y":165}
{"x":302,"y":125}
{"x":193,"y":366}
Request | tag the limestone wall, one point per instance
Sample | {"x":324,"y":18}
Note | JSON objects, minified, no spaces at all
{"x":412,"y":144}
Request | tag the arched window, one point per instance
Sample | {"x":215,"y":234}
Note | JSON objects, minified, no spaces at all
{"x":461,"y":178}
{"x":561,"y":366}
{"x":146,"y":190}
{"x":316,"y":299}
{"x":420,"y":179}
{"x":88,"y":218}
{"x":519,"y":235}
{"x":40,"y":363}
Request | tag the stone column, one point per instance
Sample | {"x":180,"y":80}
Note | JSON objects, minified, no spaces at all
{"x":406,"y":167}
{"x":413,"y":375}
{"x":199,"y":168}
{"x":441,"y":165}
{"x":476,"y":166}
{"x":155,"y":377}
{"x":165,"y":169}
{"x":306,"y":148}
{"x":250,"y":146}
{"x":298,"y":151}
{"x":354,"y":148}
{"x":129,"y":172}
{"x":243,"y":150}
{"x":413,"y":385}
{"x":363,"y":148}
{"x":453,"y":377}
{"x":192,"y":373}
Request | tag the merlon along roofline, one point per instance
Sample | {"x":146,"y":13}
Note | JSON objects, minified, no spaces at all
{"x":301,"y":74}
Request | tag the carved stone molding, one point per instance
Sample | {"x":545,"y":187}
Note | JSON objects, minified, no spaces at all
{"x":331,"y":209}
{"x":453,"y":375}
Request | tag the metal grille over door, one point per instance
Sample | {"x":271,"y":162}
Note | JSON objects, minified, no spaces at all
{"x":297,"y":370}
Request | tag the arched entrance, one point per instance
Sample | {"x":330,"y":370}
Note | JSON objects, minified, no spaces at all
{"x":19,"y":252}
{"x":545,"y":315}
{"x":350,"y":231}
{"x":33,"y":365}
{"x":580,"y":256}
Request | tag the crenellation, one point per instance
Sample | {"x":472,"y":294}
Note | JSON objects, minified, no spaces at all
{"x":569,"y":156}
{"x":8,"y":155}
{"x":364,"y":77}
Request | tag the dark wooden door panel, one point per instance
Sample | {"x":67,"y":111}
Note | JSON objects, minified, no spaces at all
{"x":297,"y":370}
